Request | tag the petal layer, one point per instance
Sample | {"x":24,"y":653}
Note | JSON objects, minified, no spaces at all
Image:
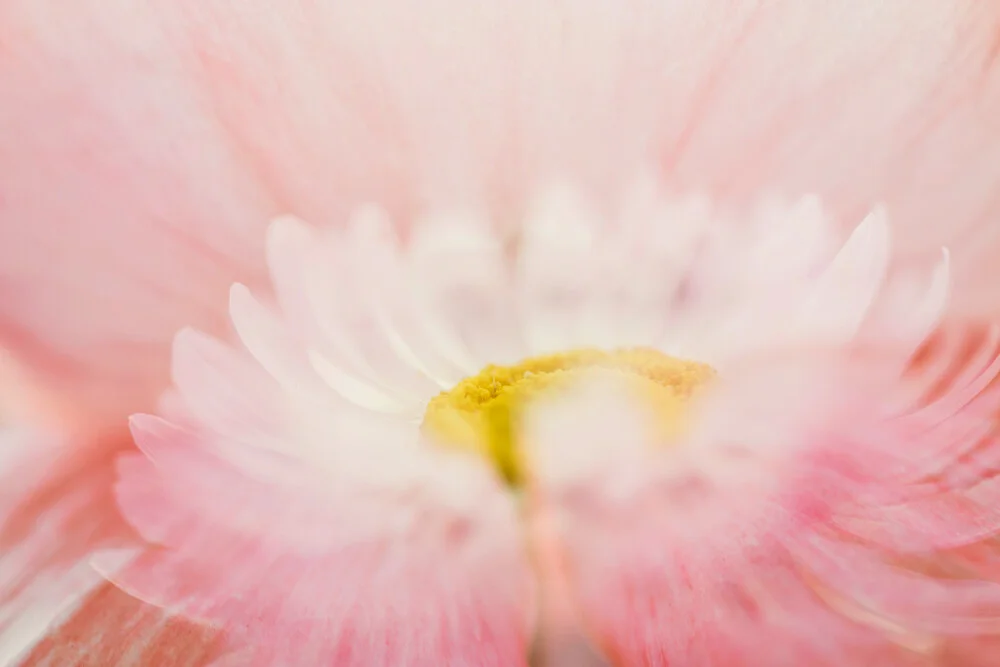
{"x":146,"y":146}
{"x":312,"y":529}
{"x":56,"y":511}
{"x":111,"y":629}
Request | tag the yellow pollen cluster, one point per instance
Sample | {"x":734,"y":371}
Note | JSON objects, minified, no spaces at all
{"x":482,"y":413}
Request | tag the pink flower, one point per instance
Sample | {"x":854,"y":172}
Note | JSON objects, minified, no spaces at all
{"x":306,"y":494}
{"x":146,"y":148}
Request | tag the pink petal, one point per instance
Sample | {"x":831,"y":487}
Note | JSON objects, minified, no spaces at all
{"x":146,"y":146}
{"x":56,"y":511}
{"x":112,"y":629}
{"x":122,"y":220}
{"x":460,"y":280}
{"x":309,"y":569}
{"x":641,"y":548}
{"x":723,"y":547}
{"x":840,"y":301}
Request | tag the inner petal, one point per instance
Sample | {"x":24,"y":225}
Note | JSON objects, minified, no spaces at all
{"x":482,"y":413}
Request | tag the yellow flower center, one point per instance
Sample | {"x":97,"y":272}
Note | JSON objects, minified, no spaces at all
{"x":482,"y":413}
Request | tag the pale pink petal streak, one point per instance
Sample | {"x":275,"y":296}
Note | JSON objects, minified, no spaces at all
{"x":56,"y":511}
{"x":123,"y":219}
{"x":348,"y":573}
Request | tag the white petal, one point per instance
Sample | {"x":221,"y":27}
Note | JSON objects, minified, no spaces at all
{"x":839,"y":303}
{"x":361,"y":394}
{"x":462,"y":284}
{"x":557,"y":269}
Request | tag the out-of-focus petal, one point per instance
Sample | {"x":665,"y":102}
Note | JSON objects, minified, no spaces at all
{"x":794,"y":524}
{"x":323,"y":569}
{"x":125,"y":210}
{"x":56,"y":511}
{"x":112,"y":629}
{"x":146,"y":145}
{"x":641,"y":545}
{"x":859,"y":103}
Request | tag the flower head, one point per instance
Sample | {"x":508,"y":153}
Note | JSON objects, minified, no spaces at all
{"x":495,"y":425}
{"x":710,"y":423}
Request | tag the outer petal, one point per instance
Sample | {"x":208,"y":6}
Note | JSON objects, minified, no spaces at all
{"x":139,"y":139}
{"x":125,"y":211}
{"x":56,"y":511}
{"x":111,"y":629}
{"x":348,"y":574}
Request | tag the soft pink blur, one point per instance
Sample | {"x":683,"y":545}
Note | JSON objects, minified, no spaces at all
{"x":146,"y":145}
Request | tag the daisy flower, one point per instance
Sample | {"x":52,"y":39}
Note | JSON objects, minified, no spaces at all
{"x":465,"y":414}
{"x":693,"y":434}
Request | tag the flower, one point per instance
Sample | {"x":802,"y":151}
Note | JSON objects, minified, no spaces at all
{"x":708,"y":421}
{"x":145,"y":149}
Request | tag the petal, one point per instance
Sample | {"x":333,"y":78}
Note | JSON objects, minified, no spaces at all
{"x":583,"y":280}
{"x":750,"y":272}
{"x":461,"y":283}
{"x":717,"y":548}
{"x":111,"y":629}
{"x":557,"y":272}
{"x":950,"y":457}
{"x":839,"y":302}
{"x":234,"y":112}
{"x":784,"y":277}
{"x":643,"y":545}
{"x":912,"y":306}
{"x":896,"y":104}
{"x":124,"y":224}
{"x":328,"y":568}
{"x":347,"y":298}
{"x":56,"y":510}
{"x":364,"y":291}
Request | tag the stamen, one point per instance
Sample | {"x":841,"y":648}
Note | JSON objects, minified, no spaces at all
{"x":482,"y":413}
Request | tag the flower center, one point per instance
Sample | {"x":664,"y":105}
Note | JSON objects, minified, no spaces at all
{"x":482,"y":413}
